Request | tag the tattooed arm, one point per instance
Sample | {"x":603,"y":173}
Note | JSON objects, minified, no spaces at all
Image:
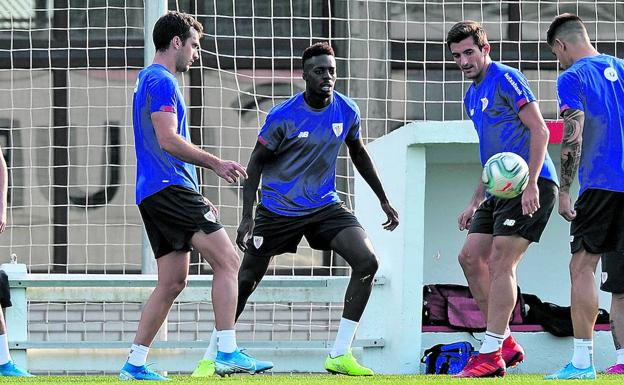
{"x":573,"y":121}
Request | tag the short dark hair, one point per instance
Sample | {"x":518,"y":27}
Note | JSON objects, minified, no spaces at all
{"x":173,"y":24}
{"x":558,"y":22}
{"x":317,"y":49}
{"x":465,"y":29}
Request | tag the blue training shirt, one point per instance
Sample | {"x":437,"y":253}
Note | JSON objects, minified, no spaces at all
{"x":493,"y":106}
{"x":595,"y":85}
{"x":157,"y":90}
{"x":301,"y":177}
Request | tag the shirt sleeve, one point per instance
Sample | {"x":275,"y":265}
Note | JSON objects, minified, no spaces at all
{"x":569,"y":92}
{"x":163,"y":95}
{"x":272,"y":132}
{"x":355,"y":129}
{"x":514,"y":88}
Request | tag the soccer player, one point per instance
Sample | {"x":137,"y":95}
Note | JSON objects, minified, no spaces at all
{"x":296,"y":155}
{"x":176,"y":217}
{"x":590,"y":91}
{"x":7,"y":367}
{"x":613,"y":282}
{"x":507,"y":118}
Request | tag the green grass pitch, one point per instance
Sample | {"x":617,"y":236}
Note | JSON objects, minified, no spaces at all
{"x":320,"y":379}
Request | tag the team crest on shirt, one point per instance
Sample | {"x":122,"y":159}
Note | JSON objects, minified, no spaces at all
{"x":210,"y":217}
{"x":257,"y":241}
{"x":337,"y":127}
{"x":610,"y":74}
{"x":484,"y":103}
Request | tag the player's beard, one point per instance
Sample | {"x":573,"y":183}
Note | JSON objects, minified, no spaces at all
{"x":182,"y":65}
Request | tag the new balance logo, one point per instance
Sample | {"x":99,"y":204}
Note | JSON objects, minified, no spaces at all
{"x":509,"y":222}
{"x":303,"y":134}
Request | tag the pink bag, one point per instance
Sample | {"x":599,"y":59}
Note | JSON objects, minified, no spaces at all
{"x":453,"y":306}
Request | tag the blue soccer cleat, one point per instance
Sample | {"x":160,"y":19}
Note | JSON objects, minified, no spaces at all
{"x":10,"y":370}
{"x":239,"y":362}
{"x":132,"y":372}
{"x":569,"y":372}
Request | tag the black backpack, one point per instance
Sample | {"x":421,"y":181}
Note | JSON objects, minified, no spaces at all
{"x":555,"y":319}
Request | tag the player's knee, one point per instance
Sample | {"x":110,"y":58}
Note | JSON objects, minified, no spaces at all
{"x":227,"y":264}
{"x":247,"y":281}
{"x":578,"y":268}
{"x":368,"y":267}
{"x":175,"y":287}
{"x":468,"y":261}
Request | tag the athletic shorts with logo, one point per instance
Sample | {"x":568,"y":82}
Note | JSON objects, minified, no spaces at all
{"x":498,"y":216}
{"x":599,"y":224}
{"x":171,"y":217}
{"x":276,"y":234}
{"x":612,"y":279}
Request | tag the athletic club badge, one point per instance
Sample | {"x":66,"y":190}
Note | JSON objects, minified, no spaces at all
{"x":258,"y":241}
{"x":337,"y":127}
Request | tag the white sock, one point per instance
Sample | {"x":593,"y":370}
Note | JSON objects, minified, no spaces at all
{"x":620,"y":356}
{"x":344,"y":337}
{"x":5,"y":356}
{"x":138,"y":355}
{"x":226,"y":341}
{"x":507,"y":332}
{"x":491,"y":342}
{"x":583,"y":353}
{"x":211,"y":352}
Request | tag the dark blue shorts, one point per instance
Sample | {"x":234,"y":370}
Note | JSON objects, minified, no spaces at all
{"x":171,"y":217}
{"x":276,"y":234}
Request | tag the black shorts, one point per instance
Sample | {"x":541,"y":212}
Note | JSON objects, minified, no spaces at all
{"x":5,"y":290}
{"x":612,"y":279}
{"x":498,"y":216}
{"x":171,"y":217}
{"x":599,"y":224}
{"x":276,"y":234}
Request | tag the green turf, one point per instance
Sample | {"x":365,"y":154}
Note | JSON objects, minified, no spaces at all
{"x":322,"y":379}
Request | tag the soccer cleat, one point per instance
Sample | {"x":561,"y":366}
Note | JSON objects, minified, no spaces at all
{"x":512,"y":352}
{"x":569,"y":372}
{"x":205,"y":368}
{"x":484,"y":365}
{"x":615,"y":369}
{"x":132,"y":372}
{"x":346,"y":364}
{"x":10,"y":370}
{"x":239,"y":362}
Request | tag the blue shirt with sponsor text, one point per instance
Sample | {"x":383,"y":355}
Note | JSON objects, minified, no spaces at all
{"x":595,"y":85}
{"x":157,"y":90}
{"x":301,"y":177}
{"x":493,"y":106}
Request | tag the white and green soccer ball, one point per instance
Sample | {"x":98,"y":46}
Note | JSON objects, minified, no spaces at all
{"x":505,"y":175}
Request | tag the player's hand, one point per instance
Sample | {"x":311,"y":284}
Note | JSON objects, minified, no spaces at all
{"x":245,"y":229}
{"x":565,"y":206}
{"x":230,"y":170}
{"x":530,"y":199}
{"x":465,"y":217}
{"x":393,"y":216}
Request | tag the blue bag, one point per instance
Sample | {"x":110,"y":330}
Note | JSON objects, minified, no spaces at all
{"x":447,"y":358}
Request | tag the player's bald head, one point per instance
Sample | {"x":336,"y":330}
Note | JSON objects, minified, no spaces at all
{"x":567,"y":27}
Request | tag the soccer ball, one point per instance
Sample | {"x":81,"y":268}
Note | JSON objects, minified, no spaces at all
{"x":505,"y":175}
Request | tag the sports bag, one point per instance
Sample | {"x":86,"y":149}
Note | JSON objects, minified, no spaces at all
{"x":555,"y":319}
{"x":447,"y":358}
{"x":453,"y":306}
